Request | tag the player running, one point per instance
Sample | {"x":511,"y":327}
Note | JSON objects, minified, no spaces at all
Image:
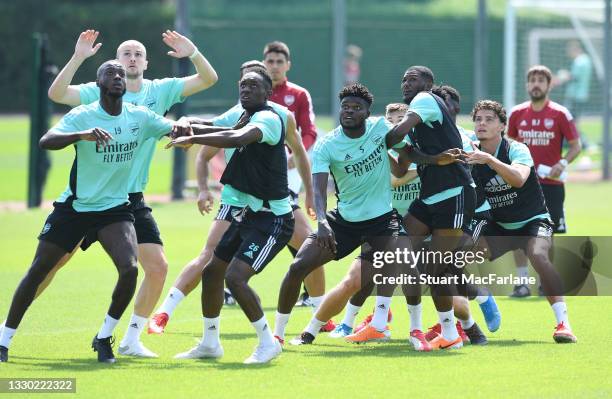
{"x":106,"y":135}
{"x":520,"y":218}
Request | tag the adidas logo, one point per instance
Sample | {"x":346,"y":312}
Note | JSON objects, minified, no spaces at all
{"x":347,"y":157}
{"x":171,"y":295}
{"x":212,"y":328}
{"x":382,"y":306}
{"x":447,"y":320}
{"x":134,"y":325}
{"x":249,"y":254}
{"x":264,"y":328}
{"x":523,"y":123}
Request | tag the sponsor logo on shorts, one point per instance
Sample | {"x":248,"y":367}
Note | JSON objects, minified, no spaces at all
{"x":46,"y":228}
{"x":252,"y":249}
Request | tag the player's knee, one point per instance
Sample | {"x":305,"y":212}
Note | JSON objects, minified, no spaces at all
{"x":298,"y":270}
{"x":351,"y":284}
{"x":234,"y":281}
{"x":157,"y":270}
{"x":128,"y":272}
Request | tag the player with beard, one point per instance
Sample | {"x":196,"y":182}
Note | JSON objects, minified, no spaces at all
{"x":543,"y":125}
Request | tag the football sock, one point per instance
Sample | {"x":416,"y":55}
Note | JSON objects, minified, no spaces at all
{"x":465,"y":324}
{"x":381,"y":313}
{"x":560,"y":309}
{"x":108,"y":326}
{"x":522,"y":271}
{"x":415,"y":312}
{"x":210,"y":336}
{"x":349,"y":315}
{"x":314,"y":326}
{"x":132,"y":334}
{"x":6,"y":336}
{"x":174,"y":297}
{"x":264,"y":333}
{"x":447,"y":321}
{"x":316,"y":302}
{"x":280,"y":322}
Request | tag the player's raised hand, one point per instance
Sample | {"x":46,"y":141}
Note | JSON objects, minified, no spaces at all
{"x":326,"y":237}
{"x":478,"y":157}
{"x":85,"y":46}
{"x":205,"y":201}
{"x":182,"y":142}
{"x":181,"y":46}
{"x":100,"y":136}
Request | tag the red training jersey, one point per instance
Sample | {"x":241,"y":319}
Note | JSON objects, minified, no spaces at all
{"x":298,"y":100}
{"x":543,"y":132}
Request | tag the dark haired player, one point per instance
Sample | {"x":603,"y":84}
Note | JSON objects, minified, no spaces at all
{"x":518,"y":209}
{"x":96,"y":198}
{"x":258,"y":173}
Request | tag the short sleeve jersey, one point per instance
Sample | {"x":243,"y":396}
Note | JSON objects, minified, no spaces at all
{"x":100,"y":176}
{"x":543,"y":132}
{"x":360,"y":168}
{"x":159,"y":96}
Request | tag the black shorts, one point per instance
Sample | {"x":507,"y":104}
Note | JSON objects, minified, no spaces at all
{"x":66,"y":227}
{"x":227,"y":212}
{"x":554,"y":194}
{"x":451,"y":213}
{"x":475,"y":227}
{"x":294,"y":198}
{"x":350,"y":235}
{"x":501,"y":240}
{"x":145,"y":225}
{"x":255,"y":237}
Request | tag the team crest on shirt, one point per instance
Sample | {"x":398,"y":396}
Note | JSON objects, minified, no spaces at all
{"x":134,"y":128}
{"x":289,"y":99}
{"x":377,"y":139}
{"x":549,"y":123}
{"x":45,"y":229}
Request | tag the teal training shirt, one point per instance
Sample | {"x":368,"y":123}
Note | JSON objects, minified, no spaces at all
{"x":159,"y":96}
{"x":100,"y":177}
{"x":360,"y":169}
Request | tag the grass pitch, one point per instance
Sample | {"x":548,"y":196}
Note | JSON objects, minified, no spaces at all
{"x":54,"y":338}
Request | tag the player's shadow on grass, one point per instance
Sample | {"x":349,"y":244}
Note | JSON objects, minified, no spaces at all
{"x":393,"y":348}
{"x":75,"y":364}
{"x":512,"y":342}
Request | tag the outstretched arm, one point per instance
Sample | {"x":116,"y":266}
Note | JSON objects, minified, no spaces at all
{"x":205,"y":75}
{"x":53,"y":140}
{"x":61,"y":91}
{"x":220,"y":139}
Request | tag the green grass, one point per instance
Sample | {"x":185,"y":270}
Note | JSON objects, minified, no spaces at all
{"x":54,"y":337}
{"x":53,"y":340}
